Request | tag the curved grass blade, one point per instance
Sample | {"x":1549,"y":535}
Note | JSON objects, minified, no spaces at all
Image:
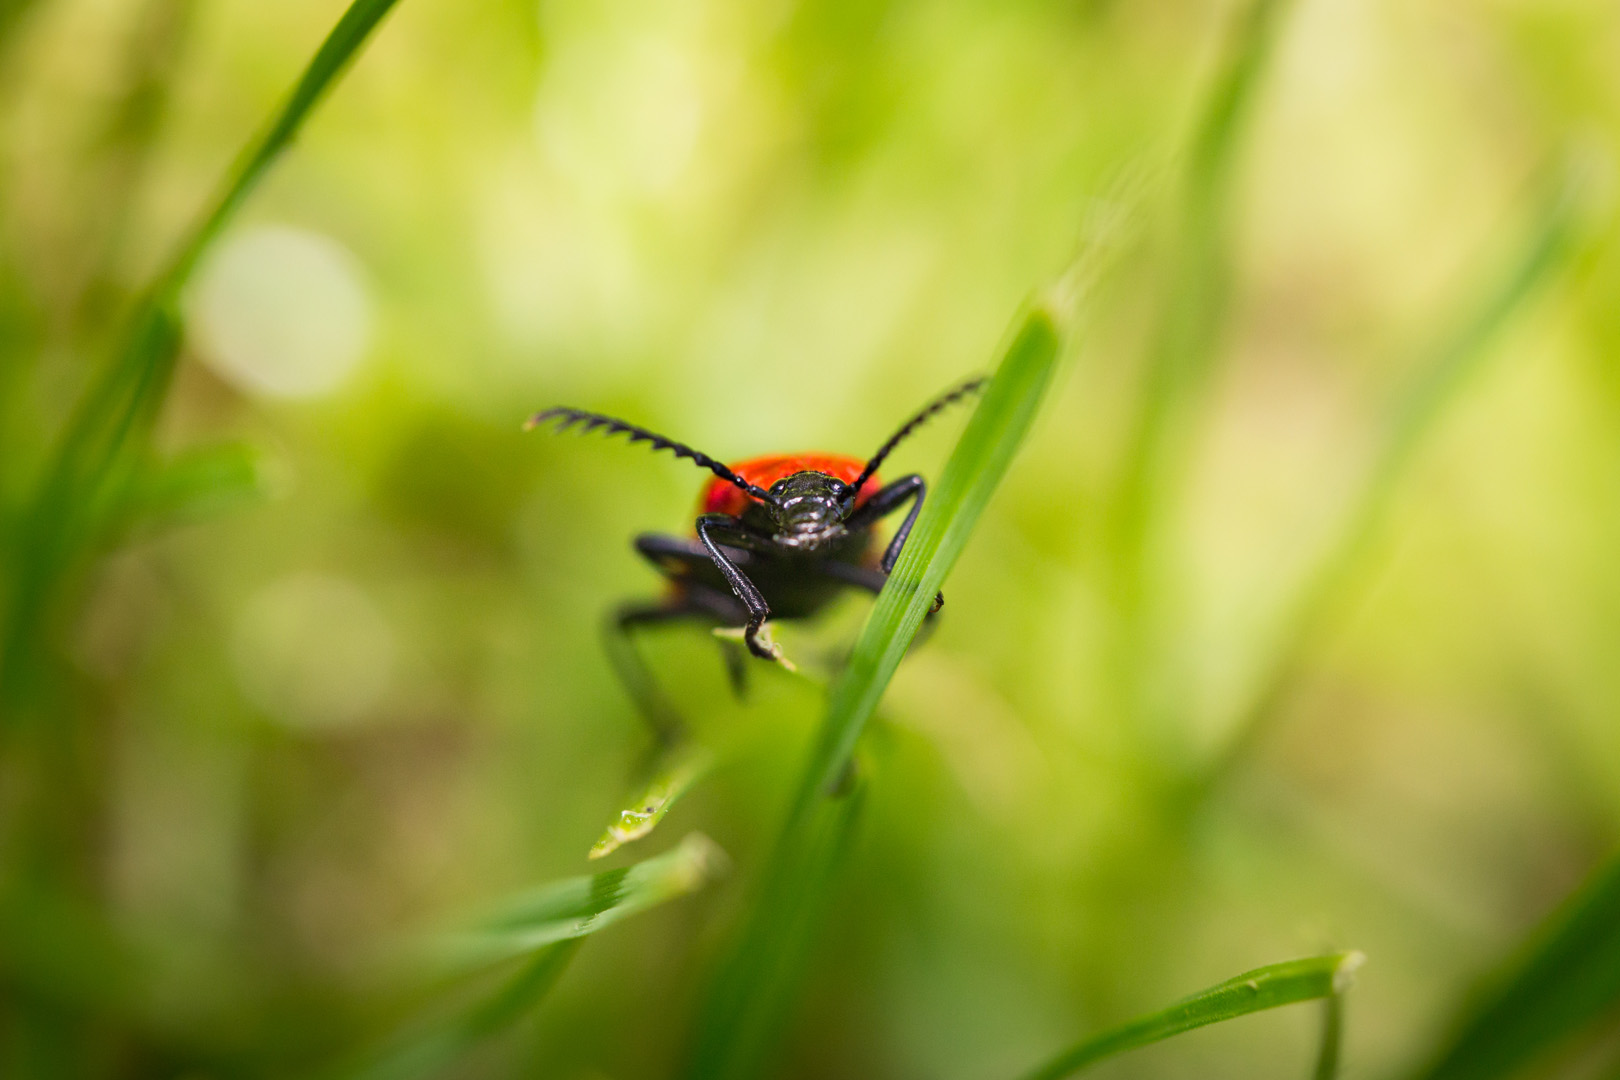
{"x":1254,"y":991}
{"x":546,"y":928}
{"x":583,"y":905}
{"x":113,"y":418}
{"x":648,"y":808}
{"x":756,"y":980}
{"x":1567,"y":978}
{"x":1455,"y":359}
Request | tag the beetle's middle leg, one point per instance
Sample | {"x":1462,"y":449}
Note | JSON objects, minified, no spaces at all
{"x":677,"y":557}
{"x":637,"y":678}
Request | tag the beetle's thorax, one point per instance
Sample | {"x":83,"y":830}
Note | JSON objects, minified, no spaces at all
{"x":808,"y":511}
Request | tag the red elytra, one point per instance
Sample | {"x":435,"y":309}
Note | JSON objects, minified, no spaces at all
{"x":720,"y":497}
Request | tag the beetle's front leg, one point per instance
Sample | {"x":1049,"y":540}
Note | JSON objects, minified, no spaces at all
{"x":886,"y":501}
{"x":714,"y":530}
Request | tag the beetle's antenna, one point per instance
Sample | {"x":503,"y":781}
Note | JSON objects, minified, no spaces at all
{"x":940,"y":403}
{"x":593,"y":421}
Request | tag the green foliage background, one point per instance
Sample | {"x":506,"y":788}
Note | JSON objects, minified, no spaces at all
{"x":1291,"y":630}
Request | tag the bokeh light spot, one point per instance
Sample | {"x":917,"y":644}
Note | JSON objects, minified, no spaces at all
{"x":281,"y":312}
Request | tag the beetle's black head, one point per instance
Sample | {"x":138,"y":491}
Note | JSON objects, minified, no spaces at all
{"x":809,"y":509}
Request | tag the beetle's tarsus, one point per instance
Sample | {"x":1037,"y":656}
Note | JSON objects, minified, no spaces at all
{"x":759,"y":642}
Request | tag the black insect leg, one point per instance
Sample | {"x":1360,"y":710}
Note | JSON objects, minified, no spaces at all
{"x":865,"y":577}
{"x":885,"y":502}
{"x":736,"y":661}
{"x":676,"y":556}
{"x":717,"y":529}
{"x":660,"y":713}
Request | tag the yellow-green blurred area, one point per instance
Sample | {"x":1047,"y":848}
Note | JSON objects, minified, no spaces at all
{"x":1213,"y":688}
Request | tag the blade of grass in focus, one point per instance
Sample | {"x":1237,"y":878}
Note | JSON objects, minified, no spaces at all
{"x":546,"y":927}
{"x":1254,"y":991}
{"x":756,"y":981}
{"x":647,"y":809}
{"x":111,"y":421}
{"x":1436,"y":384}
{"x":1567,"y":979}
{"x":992,"y":436}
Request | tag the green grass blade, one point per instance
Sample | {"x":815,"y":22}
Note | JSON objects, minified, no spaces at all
{"x":197,"y":485}
{"x":1456,"y":358}
{"x":330,"y":61}
{"x":545,"y":928}
{"x":1567,"y":978}
{"x":434,"y":1048}
{"x":580,"y":906}
{"x":112,"y":419}
{"x":992,"y":436}
{"x":1263,"y":988}
{"x":1181,"y":355}
{"x":754,"y":987}
{"x":1327,"y":1057}
{"x":648,"y":808}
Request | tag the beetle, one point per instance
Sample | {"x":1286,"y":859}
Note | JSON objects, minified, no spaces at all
{"x":780,"y":535}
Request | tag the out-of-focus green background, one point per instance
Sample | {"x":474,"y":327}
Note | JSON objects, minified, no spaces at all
{"x":292,"y":732}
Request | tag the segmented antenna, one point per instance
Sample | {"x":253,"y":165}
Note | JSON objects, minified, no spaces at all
{"x":940,"y":403}
{"x":593,"y":421}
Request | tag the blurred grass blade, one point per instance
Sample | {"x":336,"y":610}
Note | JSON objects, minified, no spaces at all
{"x":1327,"y":1057}
{"x":1567,"y":978}
{"x":756,"y":982}
{"x":330,"y":61}
{"x":125,"y":147}
{"x":648,"y":808}
{"x":583,"y":905}
{"x":117,"y":411}
{"x":755,"y":988}
{"x":197,"y":485}
{"x":1434,"y":387}
{"x":1254,"y":991}
{"x":430,"y":1050}
{"x":1182,"y":353}
{"x":546,"y":927}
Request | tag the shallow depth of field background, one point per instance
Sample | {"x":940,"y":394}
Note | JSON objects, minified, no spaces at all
{"x":311,"y":726}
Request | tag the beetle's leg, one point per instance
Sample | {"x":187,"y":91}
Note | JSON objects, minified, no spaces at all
{"x":717,"y":529}
{"x":862,"y":577}
{"x":872,"y":580}
{"x":674,"y":555}
{"x":736,"y":662}
{"x":886,"y":501}
{"x":660,"y":713}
